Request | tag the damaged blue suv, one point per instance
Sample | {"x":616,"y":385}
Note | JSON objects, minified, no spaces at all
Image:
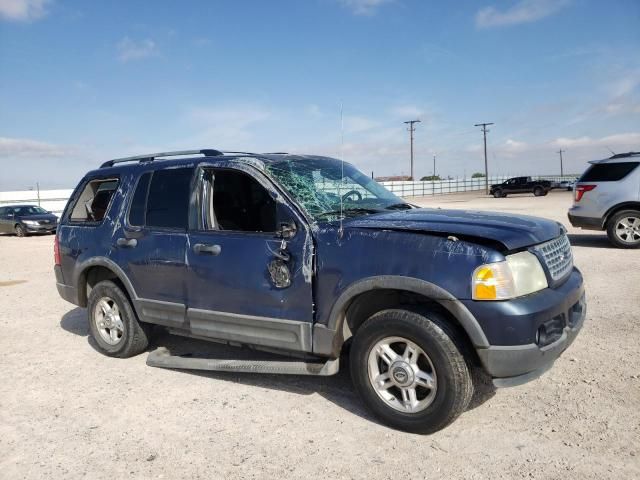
{"x":303,"y":255}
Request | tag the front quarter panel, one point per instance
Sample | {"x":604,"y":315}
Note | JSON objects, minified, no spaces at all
{"x":366,"y":253}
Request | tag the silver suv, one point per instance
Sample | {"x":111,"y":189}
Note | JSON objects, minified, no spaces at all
{"x":607,"y":197}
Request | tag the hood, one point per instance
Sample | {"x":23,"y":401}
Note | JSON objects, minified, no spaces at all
{"x":40,"y":216}
{"x":513,"y":231}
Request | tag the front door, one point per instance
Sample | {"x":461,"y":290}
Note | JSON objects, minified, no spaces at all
{"x":244,"y":284}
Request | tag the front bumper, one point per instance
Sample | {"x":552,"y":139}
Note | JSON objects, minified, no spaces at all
{"x":514,"y":364}
{"x":46,"y":228}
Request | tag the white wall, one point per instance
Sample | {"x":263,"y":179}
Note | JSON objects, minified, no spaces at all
{"x":53,"y":200}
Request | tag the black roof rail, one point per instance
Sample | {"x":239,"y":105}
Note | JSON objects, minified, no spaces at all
{"x":241,"y":153}
{"x":275,"y":153}
{"x":624,"y":155}
{"x":152,"y":156}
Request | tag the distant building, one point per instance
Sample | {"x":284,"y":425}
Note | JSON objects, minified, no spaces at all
{"x":397,"y":178}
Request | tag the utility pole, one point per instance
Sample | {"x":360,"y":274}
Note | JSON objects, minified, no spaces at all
{"x":411,"y":130}
{"x":486,"y":166}
{"x":434,"y":166}
{"x":561,"y":169}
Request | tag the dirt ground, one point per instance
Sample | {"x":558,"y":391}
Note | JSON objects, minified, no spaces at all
{"x":67,"y":411}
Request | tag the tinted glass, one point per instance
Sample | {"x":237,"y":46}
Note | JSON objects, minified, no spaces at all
{"x":608,"y":172}
{"x":168,"y":200}
{"x":139,"y":201}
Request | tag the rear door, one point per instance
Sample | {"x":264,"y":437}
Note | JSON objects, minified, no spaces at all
{"x":243,"y":283}
{"x":151,"y":245}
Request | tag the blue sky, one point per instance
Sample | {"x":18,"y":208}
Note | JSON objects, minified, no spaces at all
{"x":81,"y":82}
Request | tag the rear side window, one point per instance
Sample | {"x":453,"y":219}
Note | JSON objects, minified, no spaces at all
{"x":168,"y":198}
{"x":137,"y":211}
{"x":608,"y":172}
{"x":94,"y":201}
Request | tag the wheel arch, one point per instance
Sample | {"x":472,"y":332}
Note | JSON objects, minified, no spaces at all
{"x":96,"y":270}
{"x":370,"y":295}
{"x":633,"y":205}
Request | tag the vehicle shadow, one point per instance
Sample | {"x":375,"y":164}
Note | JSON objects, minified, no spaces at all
{"x":337,"y":388}
{"x":589,"y":240}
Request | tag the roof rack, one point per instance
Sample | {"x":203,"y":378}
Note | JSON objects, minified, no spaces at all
{"x":152,"y":156}
{"x":624,"y":155}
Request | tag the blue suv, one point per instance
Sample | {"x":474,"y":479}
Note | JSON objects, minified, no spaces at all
{"x":305,"y":255}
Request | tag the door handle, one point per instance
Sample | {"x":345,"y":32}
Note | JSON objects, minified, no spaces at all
{"x":203,"y":248}
{"x":127,"y":242}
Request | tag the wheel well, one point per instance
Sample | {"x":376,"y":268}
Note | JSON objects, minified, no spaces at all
{"x":91,"y":277}
{"x":368,"y":303}
{"x":622,"y":206}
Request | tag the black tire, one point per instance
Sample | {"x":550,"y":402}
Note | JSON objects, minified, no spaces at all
{"x":443,"y":345}
{"x":20,"y":231}
{"x":538,"y":191}
{"x":498,"y":193}
{"x":134,"y":337}
{"x":614,"y":237}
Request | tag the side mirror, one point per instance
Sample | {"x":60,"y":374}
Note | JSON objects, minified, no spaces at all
{"x":287,"y":230}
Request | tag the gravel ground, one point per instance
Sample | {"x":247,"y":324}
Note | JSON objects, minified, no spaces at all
{"x":69,"y":412}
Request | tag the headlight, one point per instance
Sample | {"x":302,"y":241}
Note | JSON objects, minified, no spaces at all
{"x":30,"y":222}
{"x":521,"y":274}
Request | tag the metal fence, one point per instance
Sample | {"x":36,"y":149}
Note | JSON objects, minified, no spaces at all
{"x":454,"y":185}
{"x":55,"y":200}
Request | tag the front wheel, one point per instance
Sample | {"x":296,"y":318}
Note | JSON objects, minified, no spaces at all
{"x":538,"y":191}
{"x":113,"y":323}
{"x":410,"y":371}
{"x":498,"y":194}
{"x":623,"y":229}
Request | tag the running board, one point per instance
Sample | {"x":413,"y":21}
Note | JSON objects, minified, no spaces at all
{"x":163,"y":359}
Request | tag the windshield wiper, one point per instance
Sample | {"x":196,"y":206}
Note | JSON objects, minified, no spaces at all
{"x":349,"y":210}
{"x":399,"y":206}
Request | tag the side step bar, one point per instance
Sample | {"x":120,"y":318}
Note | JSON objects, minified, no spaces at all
{"x":163,"y":359}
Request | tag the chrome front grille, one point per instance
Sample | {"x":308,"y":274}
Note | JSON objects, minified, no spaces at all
{"x":557,"y":256}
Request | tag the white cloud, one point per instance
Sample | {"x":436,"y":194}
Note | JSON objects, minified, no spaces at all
{"x":313,"y":110}
{"x":407,"y":112}
{"x":619,"y":141}
{"x":135,"y":50}
{"x":525,"y":11}
{"x":226,"y":126}
{"x":23,"y":10}
{"x":23,"y":147}
{"x":364,"y":7}
{"x":356,"y":124}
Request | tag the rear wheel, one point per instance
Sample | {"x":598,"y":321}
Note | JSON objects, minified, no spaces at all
{"x":20,"y":231}
{"x":409,"y":370}
{"x":623,"y":229}
{"x":113,"y":323}
{"x":538,"y":191}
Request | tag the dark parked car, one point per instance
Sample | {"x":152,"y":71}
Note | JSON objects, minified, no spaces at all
{"x":25,"y":219}
{"x":520,"y":185}
{"x":303,"y":255}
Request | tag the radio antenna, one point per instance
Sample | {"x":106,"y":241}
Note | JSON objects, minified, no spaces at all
{"x":341,"y":230}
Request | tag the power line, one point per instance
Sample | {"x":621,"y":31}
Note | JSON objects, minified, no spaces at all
{"x":486,"y":166}
{"x":561,"y":170}
{"x":411,"y":130}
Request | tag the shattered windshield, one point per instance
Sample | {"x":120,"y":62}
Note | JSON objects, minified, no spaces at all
{"x":319,"y":184}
